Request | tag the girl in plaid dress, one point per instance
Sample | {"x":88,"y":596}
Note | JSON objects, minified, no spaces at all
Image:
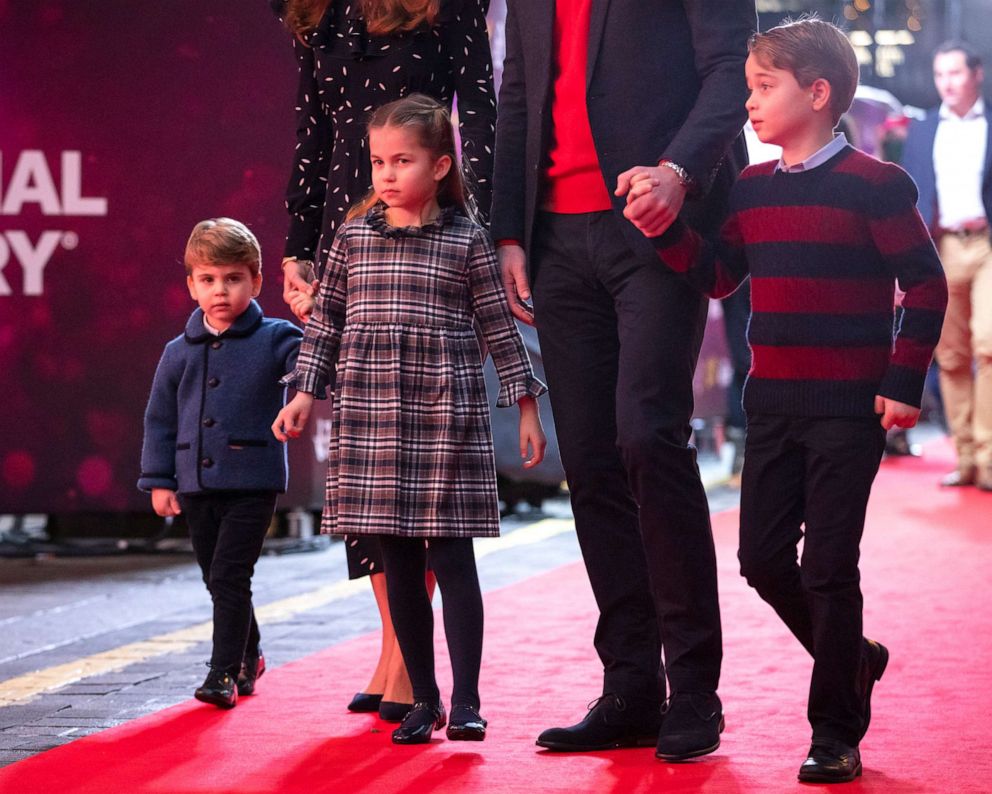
{"x":411,"y":456}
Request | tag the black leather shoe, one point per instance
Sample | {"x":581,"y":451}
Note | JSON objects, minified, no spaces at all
{"x":390,"y":711}
{"x":874,"y":659}
{"x":612,"y":722}
{"x":691,"y":724}
{"x":219,"y":688}
{"x":420,"y":723}
{"x":830,"y":761}
{"x":252,"y":669}
{"x":466,"y":725}
{"x":363,"y":702}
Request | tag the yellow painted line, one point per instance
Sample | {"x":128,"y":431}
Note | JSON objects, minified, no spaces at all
{"x":25,"y":687}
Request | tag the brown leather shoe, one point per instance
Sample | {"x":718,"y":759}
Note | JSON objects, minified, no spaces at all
{"x":959,"y":478}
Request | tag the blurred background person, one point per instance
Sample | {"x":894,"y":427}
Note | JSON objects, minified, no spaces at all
{"x":947,"y":154}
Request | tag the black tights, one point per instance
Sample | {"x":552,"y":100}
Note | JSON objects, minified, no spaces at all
{"x":453,"y":563}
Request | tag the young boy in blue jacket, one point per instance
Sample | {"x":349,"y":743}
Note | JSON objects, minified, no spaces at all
{"x":208,"y":452}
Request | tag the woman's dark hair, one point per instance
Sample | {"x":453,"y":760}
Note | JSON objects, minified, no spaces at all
{"x":382,"y":17}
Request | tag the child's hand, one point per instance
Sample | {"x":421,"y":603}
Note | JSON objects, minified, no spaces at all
{"x":640,"y":185}
{"x":165,"y":503}
{"x":302,"y":305}
{"x":895,"y":413}
{"x":293,"y":417}
{"x":531,"y":433}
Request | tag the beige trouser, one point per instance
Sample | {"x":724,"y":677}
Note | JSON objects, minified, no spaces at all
{"x":964,"y":353}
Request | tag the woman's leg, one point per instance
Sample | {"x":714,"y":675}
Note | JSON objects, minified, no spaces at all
{"x":380,"y":676}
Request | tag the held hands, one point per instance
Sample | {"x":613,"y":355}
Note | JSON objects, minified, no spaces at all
{"x":532,"y":436}
{"x":299,"y":287}
{"x":654,"y":197}
{"x":291,"y":420}
{"x":165,"y":503}
{"x":894,"y":413}
{"x":513,"y":266}
{"x":302,"y":304}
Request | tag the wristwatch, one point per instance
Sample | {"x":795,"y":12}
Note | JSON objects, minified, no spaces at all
{"x":685,"y":179}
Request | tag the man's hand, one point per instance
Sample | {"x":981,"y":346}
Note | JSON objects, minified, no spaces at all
{"x":513,"y":266}
{"x":894,"y":413}
{"x":165,"y":503}
{"x":654,"y":197}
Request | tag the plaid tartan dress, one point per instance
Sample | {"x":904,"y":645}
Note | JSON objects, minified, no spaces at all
{"x":411,"y":450}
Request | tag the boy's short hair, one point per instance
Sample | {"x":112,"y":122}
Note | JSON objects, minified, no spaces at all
{"x":811,"y":49}
{"x":971,"y":57}
{"x":223,"y":241}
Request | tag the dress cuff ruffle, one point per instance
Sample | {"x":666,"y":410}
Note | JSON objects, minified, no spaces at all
{"x":510,"y":393}
{"x":308,"y":382}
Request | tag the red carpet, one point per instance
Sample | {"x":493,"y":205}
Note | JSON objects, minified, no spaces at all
{"x":927,"y":563}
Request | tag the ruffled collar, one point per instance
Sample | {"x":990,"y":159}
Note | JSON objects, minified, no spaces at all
{"x":376,"y":219}
{"x":245,"y":325}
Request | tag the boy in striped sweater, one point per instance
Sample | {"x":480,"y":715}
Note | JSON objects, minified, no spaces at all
{"x":825,"y":233}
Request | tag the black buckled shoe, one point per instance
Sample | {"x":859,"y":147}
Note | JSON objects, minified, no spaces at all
{"x":252,"y":669}
{"x":691,"y":724}
{"x":219,"y":688}
{"x":874,"y":659}
{"x":417,"y":727}
{"x":830,"y":761}
{"x":466,"y":725}
{"x":364,"y":703}
{"x":612,"y":722}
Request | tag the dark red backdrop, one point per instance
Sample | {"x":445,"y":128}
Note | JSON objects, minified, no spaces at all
{"x":178,"y":111}
{"x":181,"y":111}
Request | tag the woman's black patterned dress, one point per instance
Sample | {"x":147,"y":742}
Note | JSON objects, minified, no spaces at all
{"x":345,"y":73}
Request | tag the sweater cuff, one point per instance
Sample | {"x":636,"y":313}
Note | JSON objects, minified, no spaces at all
{"x":903,"y":384}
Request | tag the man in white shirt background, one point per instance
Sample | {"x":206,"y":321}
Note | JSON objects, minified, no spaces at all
{"x":949,"y":155}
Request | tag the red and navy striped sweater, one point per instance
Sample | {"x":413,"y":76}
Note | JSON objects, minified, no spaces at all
{"x":824,"y":249}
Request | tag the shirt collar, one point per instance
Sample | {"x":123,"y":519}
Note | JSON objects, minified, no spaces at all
{"x":210,"y":329}
{"x":818,"y":157}
{"x":198,"y":332}
{"x":976,"y":111}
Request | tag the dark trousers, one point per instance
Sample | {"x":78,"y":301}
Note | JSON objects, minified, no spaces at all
{"x":620,"y":336}
{"x":453,"y":563}
{"x":816,"y":472}
{"x":227,"y":530}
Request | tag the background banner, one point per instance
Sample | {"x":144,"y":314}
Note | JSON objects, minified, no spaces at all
{"x":123,"y":124}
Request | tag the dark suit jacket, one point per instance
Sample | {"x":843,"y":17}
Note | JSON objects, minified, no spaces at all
{"x":917,"y":159}
{"x":665,"y":79}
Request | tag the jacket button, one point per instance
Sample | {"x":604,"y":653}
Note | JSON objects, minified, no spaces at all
{"x":213,"y":382}
{"x":207,"y":462}
{"x":208,"y":422}
{"x":217,"y":345}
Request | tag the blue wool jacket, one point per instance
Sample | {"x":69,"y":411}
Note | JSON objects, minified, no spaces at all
{"x":212,"y":404}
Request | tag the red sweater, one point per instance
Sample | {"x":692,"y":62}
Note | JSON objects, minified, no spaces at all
{"x":824,"y":249}
{"x":573,"y":181}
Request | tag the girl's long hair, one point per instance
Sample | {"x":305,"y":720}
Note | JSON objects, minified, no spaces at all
{"x":382,"y":17}
{"x":430,"y":122}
